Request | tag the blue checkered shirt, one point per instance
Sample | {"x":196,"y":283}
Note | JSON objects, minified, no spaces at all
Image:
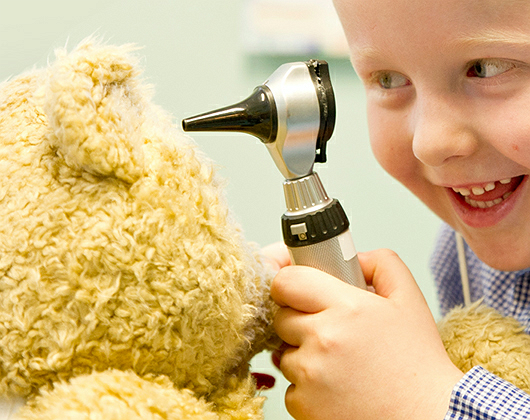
{"x":480,"y":395}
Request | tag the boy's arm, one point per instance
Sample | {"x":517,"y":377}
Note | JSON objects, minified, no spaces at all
{"x":480,"y":395}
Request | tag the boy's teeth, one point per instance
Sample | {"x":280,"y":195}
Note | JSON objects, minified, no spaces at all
{"x":483,"y":204}
{"x":480,"y":190}
{"x":487,"y":204}
{"x":463,"y":191}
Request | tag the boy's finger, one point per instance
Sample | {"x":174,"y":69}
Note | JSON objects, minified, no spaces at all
{"x":289,"y":325}
{"x":388,"y":274}
{"x":278,"y":254}
{"x":306,"y":289}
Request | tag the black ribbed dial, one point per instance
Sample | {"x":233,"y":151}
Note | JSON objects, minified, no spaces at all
{"x":308,"y":229}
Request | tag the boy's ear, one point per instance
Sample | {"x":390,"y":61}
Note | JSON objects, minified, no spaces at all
{"x":94,"y":102}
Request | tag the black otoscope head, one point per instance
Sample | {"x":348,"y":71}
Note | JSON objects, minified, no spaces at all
{"x":293,"y":113}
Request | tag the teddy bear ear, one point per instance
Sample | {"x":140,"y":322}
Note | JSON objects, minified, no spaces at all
{"x":95,"y":105}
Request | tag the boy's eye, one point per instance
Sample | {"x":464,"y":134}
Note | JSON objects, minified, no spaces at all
{"x":488,"y":68}
{"x":391,"y":80}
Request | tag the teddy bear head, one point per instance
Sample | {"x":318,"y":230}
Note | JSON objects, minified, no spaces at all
{"x":117,"y":249}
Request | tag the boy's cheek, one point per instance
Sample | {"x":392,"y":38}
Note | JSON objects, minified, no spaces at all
{"x":394,"y":154}
{"x":503,"y":127}
{"x":393,"y":151}
{"x":515,"y":145}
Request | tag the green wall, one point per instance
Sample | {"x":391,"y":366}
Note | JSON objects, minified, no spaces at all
{"x":193,"y":55}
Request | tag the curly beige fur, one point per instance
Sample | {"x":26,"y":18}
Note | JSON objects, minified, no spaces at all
{"x":117,"y":250}
{"x":479,"y":336}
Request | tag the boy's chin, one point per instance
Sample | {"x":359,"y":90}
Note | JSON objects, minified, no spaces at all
{"x":503,"y":258}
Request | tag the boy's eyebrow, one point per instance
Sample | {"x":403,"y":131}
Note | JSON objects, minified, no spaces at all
{"x":365,"y":53}
{"x":487,"y":37}
{"x":491,"y":36}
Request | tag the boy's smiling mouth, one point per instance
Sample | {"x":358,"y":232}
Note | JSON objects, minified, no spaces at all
{"x":485,"y":205}
{"x":491,"y":194}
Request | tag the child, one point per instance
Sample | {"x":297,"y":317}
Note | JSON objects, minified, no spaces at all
{"x":448,"y":94}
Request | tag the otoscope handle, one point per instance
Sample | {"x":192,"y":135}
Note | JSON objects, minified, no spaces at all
{"x":336,"y":256}
{"x":316,"y":231}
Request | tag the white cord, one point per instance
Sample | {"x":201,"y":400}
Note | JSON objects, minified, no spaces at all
{"x":463,"y":268}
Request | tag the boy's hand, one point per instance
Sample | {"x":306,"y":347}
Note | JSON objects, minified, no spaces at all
{"x":352,"y":354}
{"x":277,"y":254}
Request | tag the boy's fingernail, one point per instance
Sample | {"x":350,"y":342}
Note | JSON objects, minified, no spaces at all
{"x":276,"y":357}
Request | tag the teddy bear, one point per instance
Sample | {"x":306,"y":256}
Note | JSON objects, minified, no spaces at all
{"x":127,"y":288}
{"x":477,"y":335}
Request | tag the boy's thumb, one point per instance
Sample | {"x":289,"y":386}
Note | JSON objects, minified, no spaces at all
{"x":388,"y":274}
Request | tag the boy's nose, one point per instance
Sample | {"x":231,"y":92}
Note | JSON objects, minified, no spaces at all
{"x":441,"y":133}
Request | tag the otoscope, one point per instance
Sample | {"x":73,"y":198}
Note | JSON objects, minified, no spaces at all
{"x":293,"y":114}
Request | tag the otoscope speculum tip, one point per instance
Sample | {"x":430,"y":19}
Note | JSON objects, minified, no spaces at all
{"x":255,"y":115}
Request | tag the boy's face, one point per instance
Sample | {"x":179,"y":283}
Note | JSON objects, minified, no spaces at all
{"x":448,"y":92}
